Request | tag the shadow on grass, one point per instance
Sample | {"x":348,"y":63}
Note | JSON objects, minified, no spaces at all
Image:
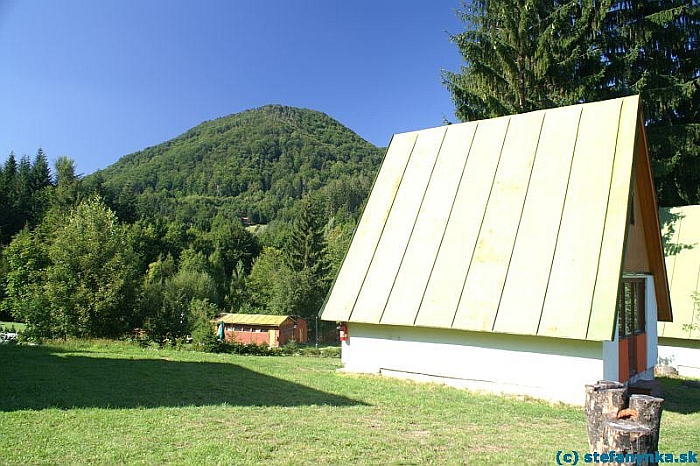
{"x":41,"y":378}
{"x":680,"y":396}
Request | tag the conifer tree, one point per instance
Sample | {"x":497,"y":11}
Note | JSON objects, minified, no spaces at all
{"x":524,"y":55}
{"x":41,"y":173}
{"x":651,"y":48}
{"x":306,"y":249}
{"x":306,"y":255}
{"x":8,"y":213}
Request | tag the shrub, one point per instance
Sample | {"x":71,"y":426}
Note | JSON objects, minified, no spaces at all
{"x":330,"y":352}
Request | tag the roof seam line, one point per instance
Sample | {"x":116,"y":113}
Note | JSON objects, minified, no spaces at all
{"x":520,"y":219}
{"x":413,"y":227}
{"x":481,"y":224}
{"x":354,"y":233}
{"x":374,"y":253}
{"x":561,"y":217}
{"x":449,"y":217}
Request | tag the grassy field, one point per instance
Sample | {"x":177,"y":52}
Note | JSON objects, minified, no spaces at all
{"x":17,"y":325}
{"x":107,"y":403}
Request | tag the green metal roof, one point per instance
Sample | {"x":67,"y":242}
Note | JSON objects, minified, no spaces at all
{"x":252,"y":319}
{"x":514,"y":224}
{"x":681,"y":233}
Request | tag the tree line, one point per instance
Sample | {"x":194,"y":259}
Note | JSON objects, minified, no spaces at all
{"x":157,"y":243}
{"x":69,"y":266}
{"x":524,"y":55}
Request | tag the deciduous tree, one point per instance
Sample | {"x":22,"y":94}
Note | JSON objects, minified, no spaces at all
{"x":92,"y":282}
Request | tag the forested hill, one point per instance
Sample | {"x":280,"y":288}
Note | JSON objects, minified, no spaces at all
{"x":257,"y":163}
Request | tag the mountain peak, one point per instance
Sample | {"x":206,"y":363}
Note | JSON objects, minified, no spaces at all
{"x":258,"y":160}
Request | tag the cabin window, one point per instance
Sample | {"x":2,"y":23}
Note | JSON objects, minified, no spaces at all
{"x":631,"y":318}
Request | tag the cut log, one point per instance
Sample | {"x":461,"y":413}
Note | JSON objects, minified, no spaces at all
{"x":649,"y":415}
{"x":613,"y":426}
{"x":604,"y":400}
{"x":627,"y":437}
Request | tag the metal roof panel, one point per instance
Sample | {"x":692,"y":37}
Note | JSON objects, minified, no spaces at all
{"x":252,"y":319}
{"x":527,"y":239}
{"x":364,"y":243}
{"x":394,"y":239}
{"x":492,"y":253}
{"x":417,"y":263}
{"x":569,"y":295}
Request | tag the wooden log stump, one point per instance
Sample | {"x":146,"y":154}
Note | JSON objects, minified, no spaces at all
{"x":627,"y":437}
{"x":613,"y":426}
{"x":648,"y":410}
{"x":604,"y":400}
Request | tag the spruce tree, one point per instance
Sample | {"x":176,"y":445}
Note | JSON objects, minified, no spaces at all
{"x":306,"y":255}
{"x":651,"y":48}
{"x":524,"y":55}
{"x":40,"y":175}
{"x":39,"y":183}
{"x":306,"y":249}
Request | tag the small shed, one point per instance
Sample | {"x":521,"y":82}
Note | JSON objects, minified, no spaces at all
{"x":272,"y":330}
{"x":679,"y":341}
{"x":519,"y":254}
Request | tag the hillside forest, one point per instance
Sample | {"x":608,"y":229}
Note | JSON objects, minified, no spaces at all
{"x":254,"y":212}
{"x":250,"y":213}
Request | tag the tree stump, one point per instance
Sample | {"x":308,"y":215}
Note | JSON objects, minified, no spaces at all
{"x":615,"y":426}
{"x":604,"y":399}
{"x":626,"y":436}
{"x":648,"y":410}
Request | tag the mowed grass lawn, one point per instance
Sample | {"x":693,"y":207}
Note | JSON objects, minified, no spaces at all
{"x":109,"y":403}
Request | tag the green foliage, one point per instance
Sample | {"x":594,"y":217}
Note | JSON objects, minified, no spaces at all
{"x":306,"y":248}
{"x":338,"y":238}
{"x":67,"y":193}
{"x":270,"y":283}
{"x":172,"y":303}
{"x":233,"y":242}
{"x":651,"y":49}
{"x":77,"y":279}
{"x":238,"y":293}
{"x":92,"y":281}
{"x":28,"y":260}
{"x":25,"y":191}
{"x":172,"y":227}
{"x":524,"y":55}
{"x":256,"y":164}
{"x":202,"y":312}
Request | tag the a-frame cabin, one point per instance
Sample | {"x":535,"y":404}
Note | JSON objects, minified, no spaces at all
{"x":520,"y":254}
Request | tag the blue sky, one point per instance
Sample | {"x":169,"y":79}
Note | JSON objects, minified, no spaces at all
{"x":96,"y":80}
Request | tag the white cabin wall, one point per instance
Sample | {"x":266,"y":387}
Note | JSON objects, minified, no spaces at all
{"x":550,"y":368}
{"x":683,"y":355}
{"x":652,"y":327}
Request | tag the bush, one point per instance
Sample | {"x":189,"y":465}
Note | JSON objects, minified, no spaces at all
{"x":292,"y":348}
{"x":309,"y":351}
